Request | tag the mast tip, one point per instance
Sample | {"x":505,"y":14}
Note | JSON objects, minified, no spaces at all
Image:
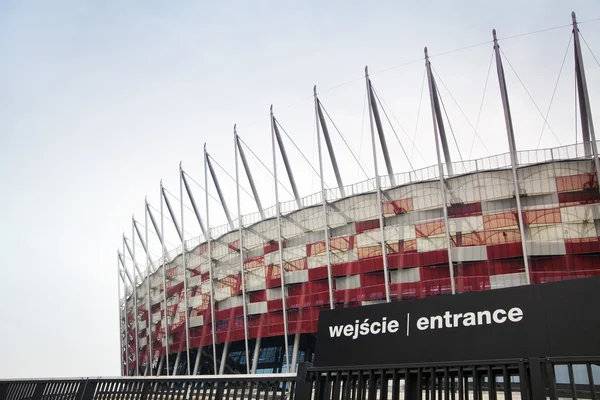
{"x":573,"y":16}
{"x":494,"y":33}
{"x":315,"y":90}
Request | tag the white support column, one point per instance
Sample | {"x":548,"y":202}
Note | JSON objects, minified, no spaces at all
{"x":378,"y":187}
{"x":185,"y":274}
{"x":280,"y":250}
{"x":136,"y":310}
{"x":256,"y":355}
{"x":210,"y":265}
{"x":164,"y":274}
{"x":148,"y":302}
{"x":224,"y":358}
{"x":160,"y":365}
{"x":177,"y":359}
{"x":324,"y":201}
{"x":197,"y":363}
{"x":295,"y":353}
{"x":441,"y":173}
{"x":241,"y":248}
{"x":121,"y":319}
{"x":514,"y":162}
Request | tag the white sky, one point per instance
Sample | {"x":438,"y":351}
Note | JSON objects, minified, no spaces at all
{"x":100,"y":100}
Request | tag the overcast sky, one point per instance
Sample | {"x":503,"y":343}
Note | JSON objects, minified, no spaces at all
{"x":100,"y":100}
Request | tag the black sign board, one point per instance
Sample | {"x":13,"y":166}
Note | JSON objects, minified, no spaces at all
{"x":544,"y":320}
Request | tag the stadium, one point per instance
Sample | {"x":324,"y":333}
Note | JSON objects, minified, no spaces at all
{"x":250,"y":297}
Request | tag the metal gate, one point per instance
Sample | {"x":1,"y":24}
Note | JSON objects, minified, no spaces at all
{"x":529,"y":379}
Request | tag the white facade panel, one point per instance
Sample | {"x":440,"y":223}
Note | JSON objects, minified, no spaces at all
{"x":405,"y":275}
{"x":317,"y":260}
{"x":537,"y":179}
{"x":431,"y":243}
{"x":395,"y":233}
{"x":580,"y":213}
{"x":508,"y":280}
{"x":257,"y":308}
{"x":466,"y":224}
{"x":469,"y":253}
{"x":496,"y":185}
{"x":195,"y":321}
{"x":347,"y":282}
{"x":296,"y":276}
{"x":230,"y":302}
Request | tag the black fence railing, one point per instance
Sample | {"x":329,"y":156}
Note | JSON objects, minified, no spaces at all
{"x":222,"y":387}
{"x":527,"y":379}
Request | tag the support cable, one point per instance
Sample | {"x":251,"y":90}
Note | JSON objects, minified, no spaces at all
{"x":179,"y":201}
{"x":459,"y":107}
{"x":300,"y":151}
{"x":449,"y":123}
{"x":169,"y":219}
{"x":202,"y":188}
{"x":231,"y":177}
{"x":264,"y":166}
{"x":362,"y":129}
{"x":393,"y":130}
{"x":476,"y":136}
{"x":345,"y":141}
{"x":412,"y":150}
{"x":588,"y":46}
{"x":554,"y":91}
{"x":530,"y":97}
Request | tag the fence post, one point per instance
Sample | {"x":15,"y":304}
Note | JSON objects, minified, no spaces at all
{"x":86,"y":389}
{"x":303,"y":389}
{"x":3,"y":389}
{"x":538,"y":389}
{"x":39,"y":390}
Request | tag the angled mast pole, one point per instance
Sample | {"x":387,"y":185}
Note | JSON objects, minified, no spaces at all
{"x":172,"y":213}
{"x":142,"y":241}
{"x":185,"y":273}
{"x":149,"y":287}
{"x":324,"y":195}
{"x":210,"y":267}
{"x":157,"y":229}
{"x":374,"y":113}
{"x":371,"y":99}
{"x":129,"y":278}
{"x":240,"y":149}
{"x":286,"y":161}
{"x":323,"y":125}
{"x":279,"y":241}
{"x":241,"y":245}
{"x":164,"y":275}
{"x":436,"y":137}
{"x":219,"y":192}
{"x":194,"y":206}
{"x":585,"y":110}
{"x":514,"y":161}
{"x":437,"y":114}
{"x":126,"y":246}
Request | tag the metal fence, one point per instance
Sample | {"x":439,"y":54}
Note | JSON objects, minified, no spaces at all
{"x":222,"y":387}
{"x":525,"y":379}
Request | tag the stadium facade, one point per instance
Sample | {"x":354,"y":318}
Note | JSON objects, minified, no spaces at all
{"x":250,"y":298}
